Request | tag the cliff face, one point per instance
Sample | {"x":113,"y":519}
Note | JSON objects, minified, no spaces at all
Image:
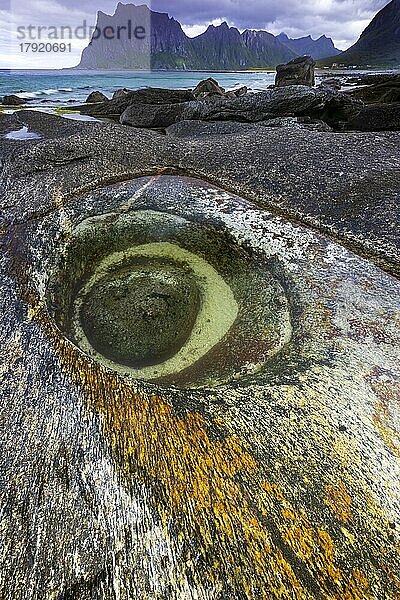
{"x":379,"y":44}
{"x":266,"y":48}
{"x":168,"y":47}
{"x":128,"y":51}
{"x":222,"y":47}
{"x":317,"y":49}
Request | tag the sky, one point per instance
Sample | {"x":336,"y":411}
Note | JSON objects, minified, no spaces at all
{"x":343,"y":20}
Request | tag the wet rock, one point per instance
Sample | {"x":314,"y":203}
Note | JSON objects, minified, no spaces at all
{"x":387,"y":91}
{"x":286,"y":101}
{"x":299,"y":71}
{"x":96,"y":97}
{"x":298,"y":123}
{"x":344,"y":185}
{"x":242,"y":91}
{"x":208,"y":87}
{"x":113,"y":109}
{"x":114,"y":483}
{"x":331,"y":82}
{"x":12,"y":100}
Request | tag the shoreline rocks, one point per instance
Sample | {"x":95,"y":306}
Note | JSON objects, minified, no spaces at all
{"x":299,"y":71}
{"x":13,"y":100}
{"x":95,"y":97}
{"x":210,"y":102}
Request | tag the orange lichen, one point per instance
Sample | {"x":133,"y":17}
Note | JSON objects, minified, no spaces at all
{"x":244,"y":531}
{"x":339,"y":501}
{"x":315,"y":547}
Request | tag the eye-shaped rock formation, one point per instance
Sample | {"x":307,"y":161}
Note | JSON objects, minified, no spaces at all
{"x":262,"y":465}
{"x":160,"y":297}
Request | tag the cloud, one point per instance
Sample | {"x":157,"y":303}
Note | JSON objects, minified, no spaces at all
{"x":343,"y":20}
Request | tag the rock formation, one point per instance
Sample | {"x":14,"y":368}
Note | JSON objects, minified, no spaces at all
{"x":299,"y":71}
{"x":261,"y":459}
{"x":95,"y":97}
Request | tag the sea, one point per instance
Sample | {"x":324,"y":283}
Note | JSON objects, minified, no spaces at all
{"x":55,"y":87}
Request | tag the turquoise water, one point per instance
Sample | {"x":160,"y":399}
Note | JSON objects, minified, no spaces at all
{"x":53,"y":87}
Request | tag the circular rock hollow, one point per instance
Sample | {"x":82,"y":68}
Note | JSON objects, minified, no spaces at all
{"x":161,"y":298}
{"x":140,"y":314}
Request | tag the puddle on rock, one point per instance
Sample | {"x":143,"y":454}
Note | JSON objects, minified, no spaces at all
{"x":22,"y":134}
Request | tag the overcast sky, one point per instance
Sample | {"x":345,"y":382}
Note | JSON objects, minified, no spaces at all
{"x":343,"y":20}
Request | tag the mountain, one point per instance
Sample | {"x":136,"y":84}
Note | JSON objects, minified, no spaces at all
{"x":220,"y":48}
{"x":379,"y":43}
{"x":168,"y":47}
{"x":319,"y":48}
{"x":266,"y":48}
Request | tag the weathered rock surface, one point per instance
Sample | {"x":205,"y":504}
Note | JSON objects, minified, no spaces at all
{"x":120,"y":93}
{"x":377,"y":117}
{"x":288,"y":101}
{"x":208,"y":87}
{"x":113,"y":109}
{"x":344,"y":185}
{"x":95,"y":97}
{"x":299,"y":71}
{"x":331,"y":82}
{"x":110,"y":486}
{"x":386,"y":91}
{"x":150,"y":116}
{"x":340,"y":109}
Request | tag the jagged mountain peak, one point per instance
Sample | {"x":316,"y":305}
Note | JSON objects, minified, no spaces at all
{"x":223,"y":28}
{"x":220,"y":47}
{"x":319,"y":48}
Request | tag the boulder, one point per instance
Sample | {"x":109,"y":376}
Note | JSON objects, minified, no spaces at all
{"x":287,"y":101}
{"x":340,"y":108}
{"x":95,"y":97}
{"x":299,"y":71}
{"x":242,"y":91}
{"x":13,"y":100}
{"x":113,"y":109}
{"x":152,"y":116}
{"x":377,"y":117}
{"x":208,"y":87}
{"x":111,"y":482}
{"x":120,"y":93}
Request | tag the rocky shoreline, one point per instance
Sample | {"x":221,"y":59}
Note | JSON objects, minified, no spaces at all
{"x":293,"y":149}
